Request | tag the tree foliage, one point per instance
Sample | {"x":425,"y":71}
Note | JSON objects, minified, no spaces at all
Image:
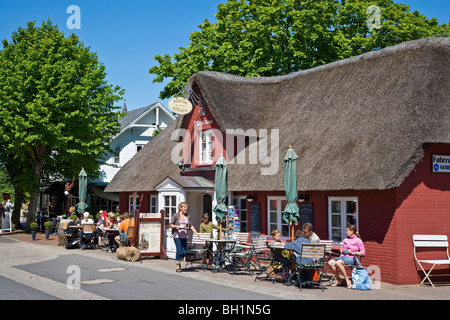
{"x":276,"y":37}
{"x":56,"y":107}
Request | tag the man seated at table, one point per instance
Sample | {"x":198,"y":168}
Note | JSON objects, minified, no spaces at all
{"x":123,"y":229}
{"x":296,"y":246}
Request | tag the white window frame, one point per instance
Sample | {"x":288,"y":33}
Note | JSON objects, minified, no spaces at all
{"x":139,"y":146}
{"x":168,"y":213}
{"x":280,"y":222}
{"x":116,"y":156}
{"x":155,"y":198}
{"x":343,"y":216}
{"x":206,"y":147}
{"x":130,"y":203}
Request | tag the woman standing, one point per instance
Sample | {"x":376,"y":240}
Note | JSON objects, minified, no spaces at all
{"x":181,"y":224}
{"x":352,"y":246}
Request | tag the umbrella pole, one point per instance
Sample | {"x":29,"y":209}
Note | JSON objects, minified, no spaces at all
{"x":292,"y":231}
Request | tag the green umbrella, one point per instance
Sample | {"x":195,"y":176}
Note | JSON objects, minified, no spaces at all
{"x":291,"y":211}
{"x":82,"y":190}
{"x":221,"y":186}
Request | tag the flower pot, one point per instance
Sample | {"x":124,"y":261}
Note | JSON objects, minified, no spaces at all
{"x":47,"y":233}
{"x":33,"y":235}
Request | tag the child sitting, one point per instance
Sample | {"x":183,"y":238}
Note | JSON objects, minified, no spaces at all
{"x":277,"y":254}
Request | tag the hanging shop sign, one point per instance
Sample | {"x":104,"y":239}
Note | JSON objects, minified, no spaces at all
{"x":440,"y":163}
{"x":180,"y":105}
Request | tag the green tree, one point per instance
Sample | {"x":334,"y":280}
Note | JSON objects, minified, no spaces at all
{"x":56,"y":107}
{"x":276,"y":37}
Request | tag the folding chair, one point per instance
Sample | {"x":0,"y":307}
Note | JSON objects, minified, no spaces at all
{"x":87,"y":235}
{"x":430,"y":242}
{"x":198,"y":246}
{"x":260,"y":253}
{"x":312,"y":256}
{"x":328,"y":245}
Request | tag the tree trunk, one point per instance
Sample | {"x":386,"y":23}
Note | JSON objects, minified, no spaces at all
{"x":18,"y":199}
{"x":37,"y":154}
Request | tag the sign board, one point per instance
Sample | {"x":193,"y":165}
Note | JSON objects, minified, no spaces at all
{"x":306,"y":213}
{"x":6,"y":222}
{"x":440,"y":163}
{"x":150,"y":232}
{"x":255,"y":219}
{"x":180,"y":105}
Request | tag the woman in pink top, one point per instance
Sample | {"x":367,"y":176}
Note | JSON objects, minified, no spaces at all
{"x":351,"y":246}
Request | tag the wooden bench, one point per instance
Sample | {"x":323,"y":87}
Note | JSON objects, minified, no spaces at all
{"x":426,"y":243}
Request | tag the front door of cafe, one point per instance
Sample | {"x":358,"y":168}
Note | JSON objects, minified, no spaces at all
{"x":170,"y":194}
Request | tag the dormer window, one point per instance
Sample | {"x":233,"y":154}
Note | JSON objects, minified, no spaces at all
{"x":206,"y":147}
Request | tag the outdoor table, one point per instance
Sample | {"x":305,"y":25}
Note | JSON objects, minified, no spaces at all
{"x":220,"y":256}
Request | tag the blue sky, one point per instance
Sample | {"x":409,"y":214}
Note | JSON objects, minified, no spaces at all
{"x":128,"y":34}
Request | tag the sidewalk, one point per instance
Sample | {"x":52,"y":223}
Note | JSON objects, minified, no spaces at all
{"x":243,"y":281}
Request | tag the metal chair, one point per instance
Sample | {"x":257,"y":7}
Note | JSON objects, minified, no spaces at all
{"x":427,"y":242}
{"x":197,"y":246}
{"x":312,"y":257}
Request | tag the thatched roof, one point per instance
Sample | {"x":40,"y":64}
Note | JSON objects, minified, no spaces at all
{"x":360,"y":123}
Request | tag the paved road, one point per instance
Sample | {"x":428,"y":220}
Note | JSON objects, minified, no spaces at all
{"x":39,"y":270}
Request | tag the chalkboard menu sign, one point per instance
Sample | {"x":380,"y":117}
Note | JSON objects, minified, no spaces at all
{"x":306,"y":213}
{"x":255,"y":219}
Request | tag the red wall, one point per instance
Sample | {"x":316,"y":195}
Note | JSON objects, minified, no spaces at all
{"x":389,"y":218}
{"x":423,"y":207}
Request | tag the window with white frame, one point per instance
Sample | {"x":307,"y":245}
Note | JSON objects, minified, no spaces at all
{"x":342,"y":211}
{"x":170,"y":207}
{"x":153,"y":203}
{"x":206,"y":146}
{"x":275,"y":207}
{"x":131,"y":203}
{"x":117,"y":155}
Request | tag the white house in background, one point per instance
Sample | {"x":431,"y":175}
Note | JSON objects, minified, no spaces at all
{"x":136,"y":131}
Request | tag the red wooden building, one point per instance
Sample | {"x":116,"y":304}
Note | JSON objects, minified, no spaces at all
{"x":369,"y":132}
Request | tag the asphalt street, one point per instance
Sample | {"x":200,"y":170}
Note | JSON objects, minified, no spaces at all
{"x":42,"y":270}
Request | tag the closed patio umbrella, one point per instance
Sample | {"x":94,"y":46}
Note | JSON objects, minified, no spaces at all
{"x":221,"y":187}
{"x":291,"y":212}
{"x":82,"y":191}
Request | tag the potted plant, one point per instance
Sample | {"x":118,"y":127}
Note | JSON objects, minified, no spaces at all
{"x":47,"y":226}
{"x":34,"y":226}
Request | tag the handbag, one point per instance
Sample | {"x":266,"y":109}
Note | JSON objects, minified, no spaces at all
{"x":360,"y":277}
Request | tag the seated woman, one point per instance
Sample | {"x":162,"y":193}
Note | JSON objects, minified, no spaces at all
{"x":352,"y":246}
{"x":109,"y":222}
